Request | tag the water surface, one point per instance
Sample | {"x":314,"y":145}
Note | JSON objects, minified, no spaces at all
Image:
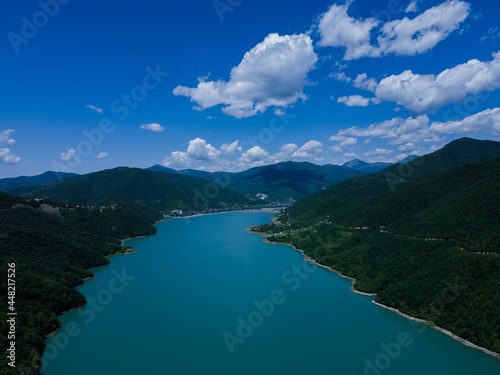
{"x":203,"y":296}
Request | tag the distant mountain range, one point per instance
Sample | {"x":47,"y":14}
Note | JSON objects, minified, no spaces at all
{"x":11,"y":183}
{"x":328,"y":201}
{"x":282,"y":182}
{"x":161,"y":191}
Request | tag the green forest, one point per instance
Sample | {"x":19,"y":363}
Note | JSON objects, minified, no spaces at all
{"x":53,"y":246}
{"x":430,"y":248}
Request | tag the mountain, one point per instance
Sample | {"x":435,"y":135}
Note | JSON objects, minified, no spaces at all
{"x":460,"y":151}
{"x":188,"y":172}
{"x":11,"y":183}
{"x":282,"y":182}
{"x":361,"y":165}
{"x":408,"y":158}
{"x":162,"y":191}
{"x":52,"y":247}
{"x":435,"y":233}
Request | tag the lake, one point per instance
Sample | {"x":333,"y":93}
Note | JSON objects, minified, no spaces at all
{"x":203,"y":296}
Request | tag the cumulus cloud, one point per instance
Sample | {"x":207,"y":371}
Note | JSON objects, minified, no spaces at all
{"x":94,"y":108}
{"x":401,"y":37}
{"x":487,"y":121}
{"x":341,"y":76}
{"x":408,"y":133}
{"x":428,"y":93}
{"x":273,"y":73}
{"x":338,"y":29}
{"x":254,"y":157}
{"x":70,"y":155}
{"x":231,"y":148}
{"x":422,"y":33}
{"x":354,"y":101}
{"x":363,"y":82}
{"x":153,"y":127}
{"x":310,"y":149}
{"x":379,"y":152}
{"x":101,"y":155}
{"x":198,"y":150}
{"x":6,"y":155}
{"x":397,"y":131}
{"x":5,"y":137}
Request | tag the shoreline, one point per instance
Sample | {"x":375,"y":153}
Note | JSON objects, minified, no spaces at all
{"x":441,"y":329}
{"x":353,"y":289}
{"x":313,"y":261}
{"x":223,"y":212}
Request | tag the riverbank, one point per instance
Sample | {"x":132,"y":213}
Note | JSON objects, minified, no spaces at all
{"x":353,"y":289}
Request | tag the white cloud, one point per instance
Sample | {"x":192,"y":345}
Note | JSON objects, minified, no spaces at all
{"x":419,"y":35}
{"x":198,"y":150}
{"x":379,"y":152}
{"x":407,"y":147}
{"x":273,"y":73}
{"x":348,"y":142}
{"x":336,"y":149}
{"x":428,"y":93}
{"x":492,"y":34}
{"x":408,"y":134}
{"x":401,"y":37}
{"x":94,"y":108}
{"x":487,"y":121}
{"x":70,"y":155}
{"x":254,"y":157}
{"x":279,"y":112}
{"x":397,"y":131}
{"x":338,"y":29}
{"x":286,"y":152}
{"x":341,"y":76}
{"x":6,"y":155}
{"x":231,"y":148}
{"x":362,"y":82}
{"x":5,"y":137}
{"x":354,"y":101}
{"x":102,"y":155}
{"x":310,"y":149}
{"x":153,"y":127}
{"x":412,"y":7}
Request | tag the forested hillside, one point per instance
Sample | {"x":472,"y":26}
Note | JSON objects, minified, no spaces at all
{"x":163,"y":192}
{"x":436,"y":231}
{"x":52,"y":247}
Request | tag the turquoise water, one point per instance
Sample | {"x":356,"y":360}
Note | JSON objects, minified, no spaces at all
{"x":205,"y":297}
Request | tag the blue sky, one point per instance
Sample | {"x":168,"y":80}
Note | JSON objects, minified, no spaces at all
{"x":232,"y":84}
